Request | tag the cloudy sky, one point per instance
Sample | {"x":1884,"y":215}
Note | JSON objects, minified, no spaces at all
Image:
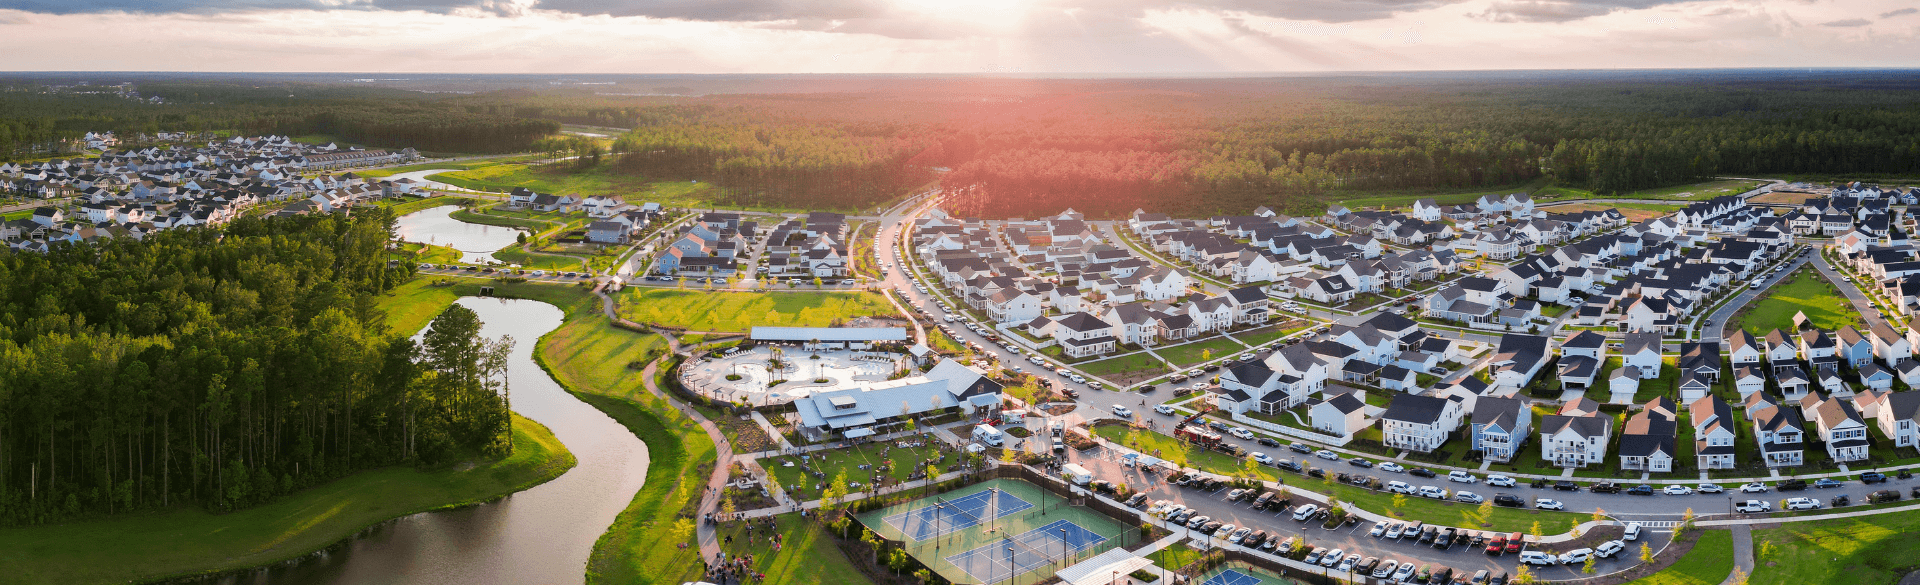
{"x":949,"y":36}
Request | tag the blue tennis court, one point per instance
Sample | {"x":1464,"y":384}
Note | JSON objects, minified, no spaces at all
{"x":1232,"y":577}
{"x":946,"y":516}
{"x":1030,"y":550}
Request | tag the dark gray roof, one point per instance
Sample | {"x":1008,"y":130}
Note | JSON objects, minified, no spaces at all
{"x":1424,"y":410}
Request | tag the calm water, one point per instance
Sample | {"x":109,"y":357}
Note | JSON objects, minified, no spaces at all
{"x":476,"y":242}
{"x":541,"y":536}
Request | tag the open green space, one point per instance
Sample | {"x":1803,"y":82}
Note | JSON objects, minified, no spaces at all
{"x":740,"y":311}
{"x":566,"y":179}
{"x":1179,"y":452}
{"x":1696,"y":191}
{"x":880,"y":459}
{"x":1138,"y":363}
{"x":429,"y":253}
{"x":1708,"y":563}
{"x":506,"y":219}
{"x":1804,"y":291}
{"x":1259,"y":337}
{"x":1202,"y":351}
{"x":188,"y":541}
{"x":1866,"y":550}
{"x":807,"y":554}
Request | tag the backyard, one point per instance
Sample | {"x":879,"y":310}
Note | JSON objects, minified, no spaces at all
{"x":739,"y":311}
{"x":1805,"y":291}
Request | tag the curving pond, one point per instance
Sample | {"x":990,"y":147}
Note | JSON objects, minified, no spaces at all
{"x":542,"y":535}
{"x":476,"y":242}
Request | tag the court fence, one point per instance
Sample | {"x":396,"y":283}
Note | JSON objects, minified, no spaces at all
{"x":1072,"y":502}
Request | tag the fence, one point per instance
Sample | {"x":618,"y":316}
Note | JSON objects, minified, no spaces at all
{"x":1290,"y":431}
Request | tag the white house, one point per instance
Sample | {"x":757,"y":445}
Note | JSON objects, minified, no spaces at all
{"x":1713,"y":433}
{"x":1340,"y":416}
{"x":1842,"y":428}
{"x":1418,"y":423}
{"x":1642,"y":351}
{"x":1575,"y":441}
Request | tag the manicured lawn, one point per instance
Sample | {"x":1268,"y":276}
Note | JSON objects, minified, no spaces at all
{"x":832,"y":462}
{"x":1865,"y":550}
{"x":566,"y":179}
{"x":1139,"y":362}
{"x":740,"y":311}
{"x":1709,"y":563}
{"x":1169,"y":448}
{"x":488,"y":217}
{"x":149,"y":546}
{"x":807,"y":554}
{"x":1259,"y":337}
{"x":1662,"y":386}
{"x":1806,"y":291}
{"x":430,"y":254}
{"x":533,"y":261}
{"x":1191,"y":353}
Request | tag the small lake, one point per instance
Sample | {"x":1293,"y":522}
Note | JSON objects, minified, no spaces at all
{"x":476,"y":242}
{"x":539,"y":536}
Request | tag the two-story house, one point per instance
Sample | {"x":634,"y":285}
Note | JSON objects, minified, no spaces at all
{"x":1575,"y":441}
{"x":1843,"y":430}
{"x":1713,"y":433}
{"x":1779,"y":431}
{"x":1418,"y":423}
{"x":1499,"y":427}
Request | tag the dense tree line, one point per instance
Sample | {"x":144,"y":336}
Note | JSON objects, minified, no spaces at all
{"x":35,"y":121}
{"x":225,"y":367}
{"x":782,"y":164}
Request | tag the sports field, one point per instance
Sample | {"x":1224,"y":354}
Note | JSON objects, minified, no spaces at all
{"x":1241,"y":574}
{"x":997,"y":530}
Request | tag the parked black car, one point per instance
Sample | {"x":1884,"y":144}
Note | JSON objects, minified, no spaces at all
{"x":1358,"y":462}
{"x":1839,"y":500}
{"x":1539,"y":483}
{"x":1420,"y":472}
{"x":1268,"y":442}
{"x":1640,"y":490}
{"x":1824,"y":483}
{"x":1905,"y":474}
{"x":1873,"y":477}
{"x":1300,"y":448}
{"x":1791,"y":485}
{"x":1445,"y":540}
{"x":1605,"y":487}
{"x":1316,"y":472}
{"x":1566,"y":486}
{"x":1507,"y":500}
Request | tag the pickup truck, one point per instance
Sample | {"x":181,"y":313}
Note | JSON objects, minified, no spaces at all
{"x":1753,"y":507}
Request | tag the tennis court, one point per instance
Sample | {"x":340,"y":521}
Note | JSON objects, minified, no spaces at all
{"x":957,"y":513}
{"x":1242,"y":575}
{"x":987,"y":518}
{"x":1031,"y":550}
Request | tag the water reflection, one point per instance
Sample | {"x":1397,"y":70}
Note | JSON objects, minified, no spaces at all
{"x":476,"y":242}
{"x":539,"y":536}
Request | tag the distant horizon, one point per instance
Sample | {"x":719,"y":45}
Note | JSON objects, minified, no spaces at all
{"x":1047,"y":37}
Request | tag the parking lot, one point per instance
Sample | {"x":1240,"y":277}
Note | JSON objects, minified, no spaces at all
{"x":1349,"y":539}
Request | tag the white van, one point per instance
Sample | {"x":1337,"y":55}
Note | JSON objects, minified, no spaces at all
{"x":989,"y":435}
{"x":1076,"y":474}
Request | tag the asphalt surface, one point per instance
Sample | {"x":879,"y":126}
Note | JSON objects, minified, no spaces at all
{"x":1350,"y":539}
{"x":1099,"y":404}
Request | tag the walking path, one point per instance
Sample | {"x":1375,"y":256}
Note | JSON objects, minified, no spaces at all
{"x":723,"y":465}
{"x":1742,"y":552}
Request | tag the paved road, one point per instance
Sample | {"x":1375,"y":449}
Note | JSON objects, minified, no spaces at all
{"x":1715,"y":327}
{"x":1349,"y":539}
{"x":1847,"y":288}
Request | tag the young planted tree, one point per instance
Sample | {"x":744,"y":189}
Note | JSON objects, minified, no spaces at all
{"x":1646,"y":553}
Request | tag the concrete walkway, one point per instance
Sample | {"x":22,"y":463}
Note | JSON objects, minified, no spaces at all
{"x":1742,"y":552}
{"x":723,"y":465}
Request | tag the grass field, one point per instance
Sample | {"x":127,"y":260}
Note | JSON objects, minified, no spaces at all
{"x":738,"y":311}
{"x":1805,"y":290}
{"x":430,"y":253}
{"x":1709,"y":563}
{"x":807,"y":555}
{"x":144,"y":547}
{"x":1130,"y":366}
{"x":1194,"y":353}
{"x":1868,"y":550}
{"x":1693,"y":192}
{"x":833,"y":462}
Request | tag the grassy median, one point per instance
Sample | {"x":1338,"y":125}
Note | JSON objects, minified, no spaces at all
{"x":701,"y":310}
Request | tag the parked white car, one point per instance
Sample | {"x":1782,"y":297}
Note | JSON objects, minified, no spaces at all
{"x":1607,"y":549}
{"x":1327,"y":455}
{"x":1386,"y":569}
{"x":1802,"y":504}
{"x":1754,"y":506}
{"x":1469,"y":497}
{"x":1427,"y":491}
{"x":1547,"y":504}
{"x":1633,"y":531}
{"x":1401,"y":487}
{"x":1461,"y":477}
{"x":1754,"y":488}
{"x":1405,"y":572}
{"x":1500,"y":480}
{"x":1392,"y":467}
{"x":1163,"y":409}
{"x":1578,"y":555}
{"x":1122,"y":411}
{"x":1537,"y":558}
{"x":1262,"y":458}
{"x":1241,"y":433}
{"x":1678,"y":490}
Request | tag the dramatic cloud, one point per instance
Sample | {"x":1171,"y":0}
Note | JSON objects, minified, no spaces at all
{"x":1900,"y":12}
{"x":1848,"y":23}
{"x":1562,"y":10}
